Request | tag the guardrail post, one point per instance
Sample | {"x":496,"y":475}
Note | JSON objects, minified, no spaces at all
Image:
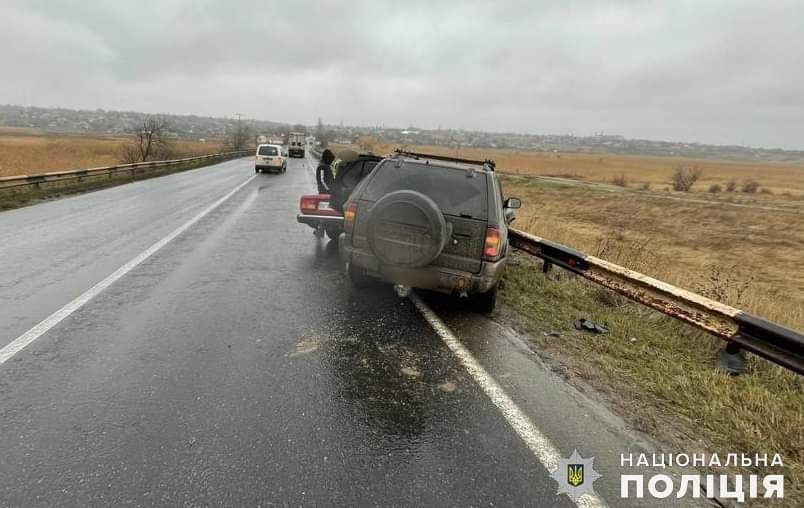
{"x":731,"y":359}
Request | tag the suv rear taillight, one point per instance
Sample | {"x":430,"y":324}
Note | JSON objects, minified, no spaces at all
{"x":349,"y":217}
{"x":493,"y":244}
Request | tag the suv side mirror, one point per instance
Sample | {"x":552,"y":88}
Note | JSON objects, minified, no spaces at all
{"x":512,"y":203}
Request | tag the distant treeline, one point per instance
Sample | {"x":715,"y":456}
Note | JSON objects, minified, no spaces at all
{"x":101,"y":121}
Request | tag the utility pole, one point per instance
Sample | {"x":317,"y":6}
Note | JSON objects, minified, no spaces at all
{"x":239,"y":130}
{"x":238,"y":137}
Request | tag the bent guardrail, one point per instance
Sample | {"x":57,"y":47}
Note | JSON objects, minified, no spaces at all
{"x":741,"y":330}
{"x":35,"y":181}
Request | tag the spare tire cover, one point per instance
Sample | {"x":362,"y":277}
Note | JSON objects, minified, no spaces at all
{"x":406,"y":228}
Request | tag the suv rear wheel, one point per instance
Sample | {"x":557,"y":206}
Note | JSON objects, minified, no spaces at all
{"x":485,"y":302}
{"x":358,"y":276}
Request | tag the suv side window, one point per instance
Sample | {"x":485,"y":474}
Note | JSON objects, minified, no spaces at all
{"x":368,"y":167}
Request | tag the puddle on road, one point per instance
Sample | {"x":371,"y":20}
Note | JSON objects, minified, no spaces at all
{"x":308,"y":344}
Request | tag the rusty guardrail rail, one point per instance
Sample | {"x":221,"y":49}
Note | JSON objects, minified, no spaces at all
{"x":34,"y":181}
{"x":741,"y":330}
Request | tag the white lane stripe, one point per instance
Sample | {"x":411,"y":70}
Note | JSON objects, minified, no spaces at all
{"x":49,"y":322}
{"x":539,"y":444}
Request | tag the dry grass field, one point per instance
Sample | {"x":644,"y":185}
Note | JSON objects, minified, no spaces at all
{"x":28,"y":151}
{"x":748,"y":257}
{"x":638,"y":171}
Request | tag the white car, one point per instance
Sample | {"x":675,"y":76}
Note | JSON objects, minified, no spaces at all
{"x":270,"y":158}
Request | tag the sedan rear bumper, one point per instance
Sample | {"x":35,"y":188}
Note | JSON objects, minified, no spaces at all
{"x":319,"y":220}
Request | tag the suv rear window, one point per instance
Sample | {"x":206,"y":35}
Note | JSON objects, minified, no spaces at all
{"x":268,"y":150}
{"x":453,"y":190}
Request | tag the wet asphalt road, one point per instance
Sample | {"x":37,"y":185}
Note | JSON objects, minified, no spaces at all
{"x":236,"y":366}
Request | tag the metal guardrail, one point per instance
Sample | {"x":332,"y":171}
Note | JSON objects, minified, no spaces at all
{"x":740,"y":329}
{"x":19,"y":181}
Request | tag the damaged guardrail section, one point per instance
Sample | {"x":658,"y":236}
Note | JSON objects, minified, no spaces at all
{"x":22,"y":182}
{"x":741,"y":330}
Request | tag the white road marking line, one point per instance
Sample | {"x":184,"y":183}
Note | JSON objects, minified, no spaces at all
{"x":539,"y":444}
{"x":49,"y":322}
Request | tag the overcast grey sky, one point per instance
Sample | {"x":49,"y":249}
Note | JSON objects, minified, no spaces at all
{"x":728,"y":72}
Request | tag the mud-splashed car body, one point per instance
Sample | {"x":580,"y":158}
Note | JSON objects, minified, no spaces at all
{"x":429,"y":222}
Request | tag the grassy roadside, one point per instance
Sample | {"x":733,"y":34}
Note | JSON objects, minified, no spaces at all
{"x":746,"y":257}
{"x":658,"y":373}
{"x":11,"y":198}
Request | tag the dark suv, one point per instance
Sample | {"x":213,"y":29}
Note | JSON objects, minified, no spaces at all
{"x":430,"y":222}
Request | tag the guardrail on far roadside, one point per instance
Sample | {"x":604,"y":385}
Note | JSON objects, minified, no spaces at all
{"x":35,"y":181}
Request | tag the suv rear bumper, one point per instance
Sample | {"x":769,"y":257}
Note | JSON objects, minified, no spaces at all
{"x":433,"y":278}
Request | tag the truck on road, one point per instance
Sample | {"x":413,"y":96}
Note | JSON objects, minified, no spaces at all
{"x":296,"y":143}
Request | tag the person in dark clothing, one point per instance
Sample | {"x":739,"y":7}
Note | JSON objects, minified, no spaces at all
{"x":323,"y":173}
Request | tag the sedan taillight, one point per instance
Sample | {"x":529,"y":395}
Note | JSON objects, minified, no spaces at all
{"x":493,"y":244}
{"x":349,"y":217}
{"x":308,"y":205}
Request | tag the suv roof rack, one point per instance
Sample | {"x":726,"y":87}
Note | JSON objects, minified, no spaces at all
{"x":488,"y":163}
